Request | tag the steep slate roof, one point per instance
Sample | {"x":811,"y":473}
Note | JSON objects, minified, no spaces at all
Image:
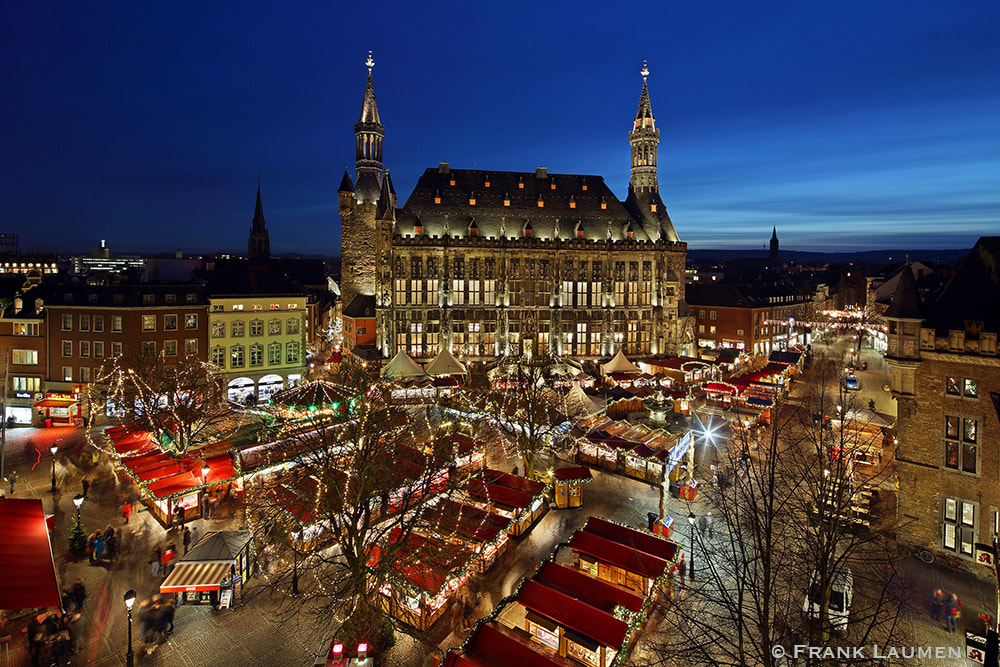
{"x":738,"y":296}
{"x":244,"y":279}
{"x":488,"y":211}
{"x":905,"y":302}
{"x":363,"y":305}
{"x":973,"y":294}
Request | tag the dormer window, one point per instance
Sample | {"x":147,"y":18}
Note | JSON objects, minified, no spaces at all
{"x":579,"y":231}
{"x":452,"y":181}
{"x":584,"y":187}
{"x":418,"y":228}
{"x":472,"y":199}
{"x":528,"y":231}
{"x":604,"y":203}
{"x":652,"y":208}
{"x":540,"y":202}
{"x":520,"y":183}
{"x":552,"y":184}
{"x":572,"y":202}
{"x":473,"y":229}
{"x":487,"y":183}
{"x":629,"y":234}
{"x":506,"y":200}
{"x":437,"y":197}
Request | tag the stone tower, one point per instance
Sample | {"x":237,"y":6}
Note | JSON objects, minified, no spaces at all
{"x":774,"y":247}
{"x":643,"y":200}
{"x":259,"y":245}
{"x":358,"y":201}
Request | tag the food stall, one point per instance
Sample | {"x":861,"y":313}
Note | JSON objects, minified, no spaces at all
{"x":214,"y":571}
{"x":621,"y":555}
{"x":568,"y":484}
{"x":510,"y":496}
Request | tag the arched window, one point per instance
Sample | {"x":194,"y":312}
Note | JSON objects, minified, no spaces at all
{"x":256,"y":354}
{"x":219,"y":356}
{"x":273,"y":354}
{"x":237,"y":328}
{"x":256,"y":327}
{"x":237,"y":356}
{"x":274,"y":328}
{"x":292,"y":352}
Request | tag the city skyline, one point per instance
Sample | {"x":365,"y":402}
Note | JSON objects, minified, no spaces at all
{"x":849,"y":127}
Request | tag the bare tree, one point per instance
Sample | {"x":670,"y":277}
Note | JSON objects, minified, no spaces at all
{"x":351,"y":507}
{"x":182,"y":404}
{"x":787,"y":529}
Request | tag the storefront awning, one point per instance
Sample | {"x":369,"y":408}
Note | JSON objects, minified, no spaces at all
{"x":55,"y":403}
{"x":27,"y":573}
{"x":195,"y":577}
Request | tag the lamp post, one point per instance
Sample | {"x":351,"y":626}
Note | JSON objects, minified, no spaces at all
{"x":54,"y":449}
{"x":295,"y":565}
{"x":204,"y":473}
{"x":691,"y":562}
{"x":129,"y":601}
{"x":78,"y":500}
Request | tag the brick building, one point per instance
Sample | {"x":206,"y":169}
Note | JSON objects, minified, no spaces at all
{"x":946,"y":380}
{"x":490,"y":263}
{"x":756,"y":318}
{"x":22,"y":337}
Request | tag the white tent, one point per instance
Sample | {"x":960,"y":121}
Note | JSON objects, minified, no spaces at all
{"x":445,"y":364}
{"x":619,"y":364}
{"x":401,"y":366}
{"x":578,"y":404}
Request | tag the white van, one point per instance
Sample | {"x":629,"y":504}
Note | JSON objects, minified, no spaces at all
{"x":841,"y":593}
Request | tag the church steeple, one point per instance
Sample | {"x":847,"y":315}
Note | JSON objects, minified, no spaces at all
{"x":644,"y":139}
{"x":369,"y":132}
{"x":774,"y":246}
{"x":259,"y":245}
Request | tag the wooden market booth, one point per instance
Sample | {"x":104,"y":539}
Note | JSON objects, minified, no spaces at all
{"x":621,"y":555}
{"x":568,"y":484}
{"x":214,"y":571}
{"x":509,"y":496}
{"x":483,"y":532}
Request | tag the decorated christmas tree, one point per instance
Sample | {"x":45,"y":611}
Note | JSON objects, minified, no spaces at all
{"x":77,"y":538}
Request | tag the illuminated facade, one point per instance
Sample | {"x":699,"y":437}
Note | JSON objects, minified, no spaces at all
{"x":494,"y":263}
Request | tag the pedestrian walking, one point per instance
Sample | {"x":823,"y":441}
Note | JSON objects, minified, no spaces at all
{"x":703,"y":525}
{"x":952,"y":612}
{"x":155,"y":559}
{"x":111,"y":542}
{"x":91,"y":541}
{"x":181,"y":516}
{"x":195,"y":536}
{"x":206,"y":506}
{"x":85,"y":483}
{"x":78,"y":593}
{"x":168,"y":558}
{"x":710,"y":521}
{"x":168,"y":614}
{"x":937,"y":602}
{"x":100,"y":546}
{"x":13,"y":480}
{"x":186,"y":538}
{"x":126,"y":510}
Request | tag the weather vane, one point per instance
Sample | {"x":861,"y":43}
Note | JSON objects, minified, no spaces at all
{"x":370,"y":62}
{"x":644,"y":72}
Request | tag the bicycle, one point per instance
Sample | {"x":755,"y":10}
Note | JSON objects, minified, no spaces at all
{"x":924,"y":555}
{"x":955,"y":562}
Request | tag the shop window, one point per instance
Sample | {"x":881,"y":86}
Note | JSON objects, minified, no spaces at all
{"x":961,"y":443}
{"x":170,"y":323}
{"x":958,"y":526}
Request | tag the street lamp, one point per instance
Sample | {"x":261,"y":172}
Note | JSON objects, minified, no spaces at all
{"x":78,"y":500}
{"x":129,"y":601}
{"x":204,"y":473}
{"x":691,"y":562}
{"x":54,"y":449}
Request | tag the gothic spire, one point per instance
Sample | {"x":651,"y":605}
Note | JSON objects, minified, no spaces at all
{"x":369,"y":109}
{"x":259,"y":244}
{"x":369,"y":132}
{"x":386,"y":209}
{"x":645,"y":110}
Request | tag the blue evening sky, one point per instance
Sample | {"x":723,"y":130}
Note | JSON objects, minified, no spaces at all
{"x":848,"y":125}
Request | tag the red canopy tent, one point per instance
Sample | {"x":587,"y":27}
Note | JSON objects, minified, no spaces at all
{"x":27,"y":573}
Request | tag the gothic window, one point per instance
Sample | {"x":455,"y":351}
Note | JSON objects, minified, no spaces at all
{"x":490,"y":268}
{"x":237,"y":356}
{"x":474,"y":269}
{"x":458,"y":269}
{"x":416,"y":268}
{"x":529,"y":268}
{"x":961,"y":443}
{"x":515,"y":269}
{"x":596,"y":272}
{"x":399,"y":268}
{"x":543,"y":268}
{"x":432,"y":267}
{"x":582,"y":272}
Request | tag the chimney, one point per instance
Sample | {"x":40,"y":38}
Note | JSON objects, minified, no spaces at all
{"x":541,"y":172}
{"x":444,"y":168}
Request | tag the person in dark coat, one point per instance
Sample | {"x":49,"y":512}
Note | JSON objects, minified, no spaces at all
{"x":111,"y":542}
{"x":79,"y":594}
{"x":85,"y":484}
{"x":155,"y":559}
{"x":186,"y":537}
{"x":937,"y":602}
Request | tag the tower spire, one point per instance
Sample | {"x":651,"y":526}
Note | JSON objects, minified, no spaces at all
{"x":259,"y":244}
{"x":644,"y":139}
{"x":369,"y":132}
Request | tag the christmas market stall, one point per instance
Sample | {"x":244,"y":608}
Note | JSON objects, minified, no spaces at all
{"x":27,"y":572}
{"x":427,"y":573}
{"x":483,"y":532}
{"x":510,"y":496}
{"x":214,"y":571}
{"x":167,"y":483}
{"x":621,"y":555}
{"x":314,"y":398}
{"x":567,"y":485}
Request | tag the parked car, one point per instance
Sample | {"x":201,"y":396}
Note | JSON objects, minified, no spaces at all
{"x":841,"y":595}
{"x":851,"y":382}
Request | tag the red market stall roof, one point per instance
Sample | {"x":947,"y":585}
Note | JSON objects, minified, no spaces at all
{"x":27,"y":573}
{"x":613,"y":553}
{"x":425,"y":563}
{"x":513,"y":481}
{"x":719,"y":388}
{"x":578,"y":474}
{"x":495,"y":493}
{"x":573,"y":613}
{"x":220,"y":470}
{"x":636,"y":539}
{"x":493,"y":645}
{"x":466,"y":521}
{"x":195,"y":577}
{"x":597,"y":592}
